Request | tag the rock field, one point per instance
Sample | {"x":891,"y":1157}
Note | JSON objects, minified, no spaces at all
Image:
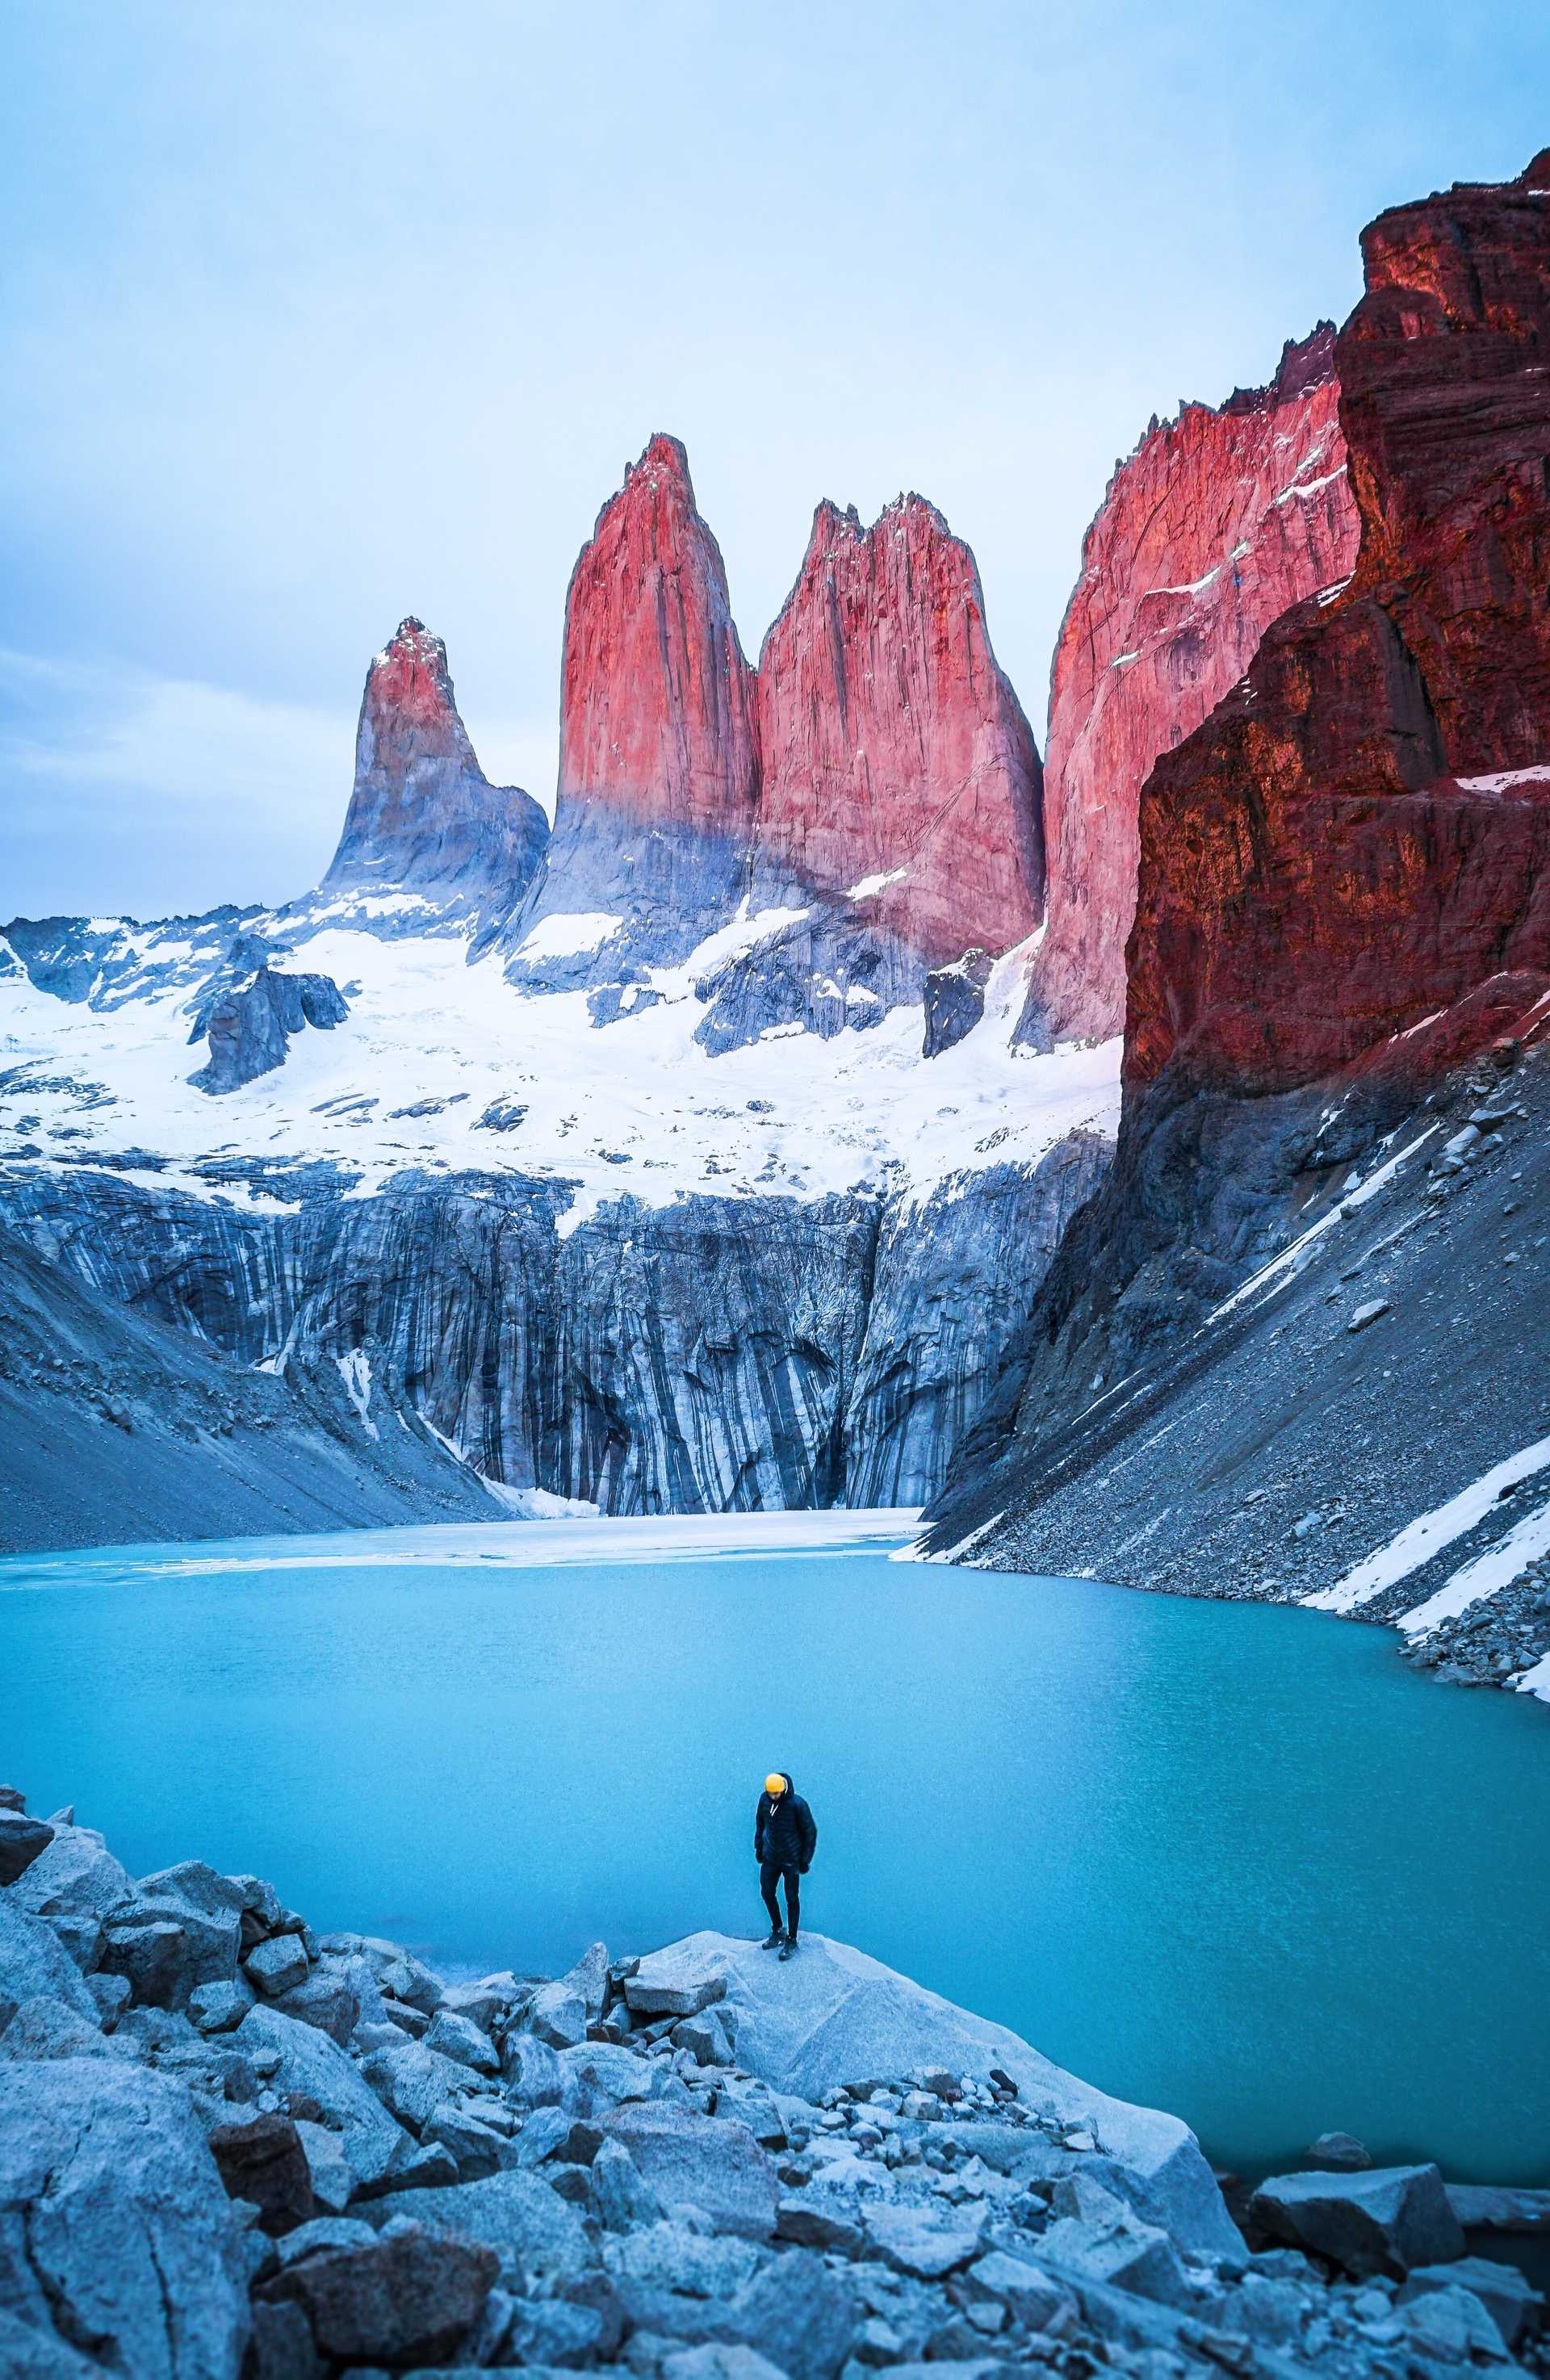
{"x":231,"y":2149}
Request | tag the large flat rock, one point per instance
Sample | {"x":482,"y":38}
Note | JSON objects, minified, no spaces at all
{"x":114,"y":2224}
{"x":834,"y":2015}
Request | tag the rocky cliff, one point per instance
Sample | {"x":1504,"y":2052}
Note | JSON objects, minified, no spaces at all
{"x":658,"y":750}
{"x":816,"y":835}
{"x":718,"y":1354}
{"x":1222,"y":518}
{"x":1341,"y":952}
{"x":423,"y":816}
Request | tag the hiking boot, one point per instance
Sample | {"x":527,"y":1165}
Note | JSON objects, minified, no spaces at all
{"x":788,"y":1948}
{"x":773,"y":1941}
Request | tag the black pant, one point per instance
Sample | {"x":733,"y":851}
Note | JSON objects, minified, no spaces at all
{"x":770,"y":1874}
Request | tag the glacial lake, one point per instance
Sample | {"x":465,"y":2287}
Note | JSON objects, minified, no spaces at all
{"x":1234,"y":1861}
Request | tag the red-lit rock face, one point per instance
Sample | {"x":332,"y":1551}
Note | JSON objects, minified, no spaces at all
{"x":1217,"y":523}
{"x":1359,"y":837}
{"x":657,"y":700}
{"x":891,"y":744}
{"x":421,"y":810}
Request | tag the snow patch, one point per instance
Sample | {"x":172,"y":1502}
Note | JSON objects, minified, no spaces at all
{"x":355,"y":1370}
{"x":1489,"y":1571}
{"x":1427,"y":1534}
{"x":870,"y":884}
{"x":569,"y":934}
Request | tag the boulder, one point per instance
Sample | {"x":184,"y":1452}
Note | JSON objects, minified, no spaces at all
{"x":72,"y":1884}
{"x":459,"y":2038}
{"x":667,"y":2256}
{"x":1509,"y":2297}
{"x":834,"y":2015}
{"x":539,"y":2240}
{"x":33,"y":1966}
{"x":1338,"y":2152}
{"x":557,"y":2015}
{"x":307,"y":2062}
{"x":1032,"y":2298}
{"x":621,"y":2199}
{"x":705,"y":2038}
{"x":22,"y":1839}
{"x":276,"y":1965}
{"x":182,"y":1929}
{"x":811,"y":2218}
{"x":51,"y":2028}
{"x":682,"y":1979}
{"x":1385,"y":2221}
{"x":333,"y":2182}
{"x":263,"y":2162}
{"x":405,"y":2302}
{"x":720,"y":2360}
{"x":1451,"y":2326}
{"x":801,"y":2315}
{"x":413,"y":2080}
{"x":919,"y":2241}
{"x":488,"y":2003}
{"x":1118,"y":2252}
{"x":588,"y":1979}
{"x":114,"y":2224}
{"x":695,"y":2160}
{"x":531,"y":2070}
{"x":218,"y":2007}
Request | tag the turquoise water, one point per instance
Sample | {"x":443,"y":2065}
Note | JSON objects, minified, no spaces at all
{"x":1234,"y":1861}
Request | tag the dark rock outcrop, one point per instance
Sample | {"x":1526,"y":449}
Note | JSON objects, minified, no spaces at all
{"x":955,"y":1001}
{"x":1344,"y":895}
{"x":249,"y":1025}
{"x":423,"y":818}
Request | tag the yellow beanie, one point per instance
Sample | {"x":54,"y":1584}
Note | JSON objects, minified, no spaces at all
{"x":776,"y":1785}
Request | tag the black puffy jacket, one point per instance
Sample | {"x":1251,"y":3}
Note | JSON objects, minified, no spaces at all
{"x":783,"y":1830}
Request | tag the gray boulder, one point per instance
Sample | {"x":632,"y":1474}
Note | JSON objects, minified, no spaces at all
{"x":22,"y":1839}
{"x":1338,"y":2152}
{"x":1509,"y":2297}
{"x":1451,"y":2326}
{"x":1033,"y":2297}
{"x":33,"y":1966}
{"x":601,"y":2074}
{"x":834,"y":2016}
{"x":51,"y":2028}
{"x":694,"y":2160}
{"x":541,"y":2241}
{"x":458,"y":2038}
{"x":621,"y":2199}
{"x":182,"y":1929}
{"x":413,"y":2080}
{"x":1386,"y":2221}
{"x":306,"y":2060}
{"x":718,"y":2359}
{"x":667,"y":2256}
{"x":1118,"y":2250}
{"x":72,"y":1884}
{"x":276,"y":1965}
{"x":801,"y":2315}
{"x":114,"y":2224}
{"x":333,"y":2182}
{"x":532,"y":2071}
{"x":557,"y":2015}
{"x":919,"y":2241}
{"x":588,"y":1979}
{"x":218,"y":2007}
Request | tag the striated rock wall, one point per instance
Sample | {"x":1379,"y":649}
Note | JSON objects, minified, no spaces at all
{"x":721,"y":1355}
{"x":422,"y":813}
{"x":1218,"y":522}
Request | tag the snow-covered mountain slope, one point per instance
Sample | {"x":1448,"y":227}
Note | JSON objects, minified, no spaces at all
{"x":444,"y":1066}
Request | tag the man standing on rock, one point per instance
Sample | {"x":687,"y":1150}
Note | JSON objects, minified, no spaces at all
{"x":785,"y":1840}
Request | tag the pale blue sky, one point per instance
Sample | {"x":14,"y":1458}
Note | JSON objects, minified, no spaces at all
{"x":316,"y":313}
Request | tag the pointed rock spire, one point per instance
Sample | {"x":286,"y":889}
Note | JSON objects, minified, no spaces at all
{"x":892,"y":744}
{"x":422,"y":813}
